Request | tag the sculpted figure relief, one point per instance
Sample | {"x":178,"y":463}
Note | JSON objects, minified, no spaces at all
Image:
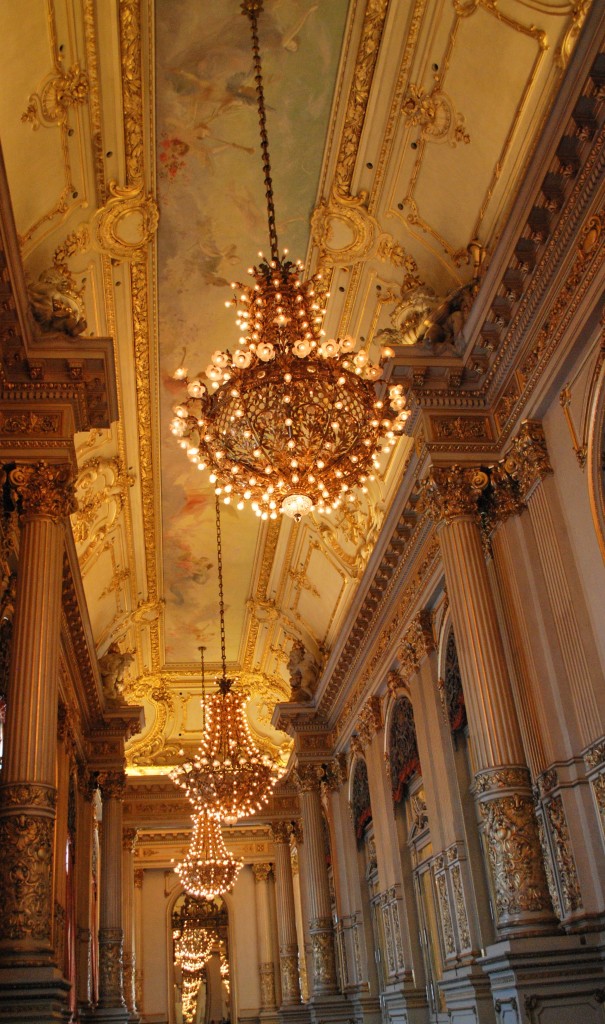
{"x":112,"y":667}
{"x":56,"y":305}
{"x":303,"y":671}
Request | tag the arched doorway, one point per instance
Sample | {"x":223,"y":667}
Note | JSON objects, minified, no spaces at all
{"x":200,"y":959}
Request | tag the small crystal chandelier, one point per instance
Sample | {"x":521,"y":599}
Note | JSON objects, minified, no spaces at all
{"x":192,"y":946}
{"x":229,"y":777}
{"x":289,"y":421}
{"x":207,"y":869}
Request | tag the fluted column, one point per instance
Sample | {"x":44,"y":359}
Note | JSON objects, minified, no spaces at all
{"x":129,"y":840}
{"x":286,"y":917}
{"x":502,"y":780}
{"x":111,"y":935}
{"x":266,"y":967}
{"x":28,"y":794}
{"x":308,"y":778}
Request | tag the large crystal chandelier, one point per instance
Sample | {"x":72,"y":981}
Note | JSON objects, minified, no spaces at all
{"x":207,"y":870}
{"x":290,"y":420}
{"x":229,"y":777}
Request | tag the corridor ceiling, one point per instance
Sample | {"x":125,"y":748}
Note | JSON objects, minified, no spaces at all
{"x":399,"y":134}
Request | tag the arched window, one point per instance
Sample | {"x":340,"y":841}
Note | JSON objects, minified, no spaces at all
{"x":403,"y":749}
{"x":360,"y":799}
{"x":453,"y":695}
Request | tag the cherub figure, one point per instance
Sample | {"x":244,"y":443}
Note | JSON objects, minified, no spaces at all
{"x":112,"y":667}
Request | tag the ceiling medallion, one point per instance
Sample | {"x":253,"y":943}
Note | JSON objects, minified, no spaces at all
{"x":290,"y":421}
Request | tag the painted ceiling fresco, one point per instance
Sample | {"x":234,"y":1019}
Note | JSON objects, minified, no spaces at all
{"x":212,"y":225}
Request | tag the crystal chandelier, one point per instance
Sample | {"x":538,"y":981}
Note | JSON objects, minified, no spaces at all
{"x":229,"y":777}
{"x":289,"y":421}
{"x":192,"y":946}
{"x":207,"y":869}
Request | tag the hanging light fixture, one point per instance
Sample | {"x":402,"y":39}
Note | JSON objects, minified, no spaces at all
{"x":207,"y":869}
{"x":192,"y":946}
{"x":229,"y":777}
{"x":290,"y":421}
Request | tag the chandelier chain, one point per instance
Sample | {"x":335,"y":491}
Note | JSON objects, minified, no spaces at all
{"x":251,"y":8}
{"x":221,"y":598}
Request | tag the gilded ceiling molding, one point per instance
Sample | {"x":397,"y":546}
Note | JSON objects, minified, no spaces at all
{"x":365,"y":64}
{"x":434,"y":113}
{"x":386,"y":641}
{"x":348,"y":217}
{"x":48,"y":106}
{"x":152,"y":748}
{"x":124,"y":227}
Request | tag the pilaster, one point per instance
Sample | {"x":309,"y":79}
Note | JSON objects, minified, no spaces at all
{"x":266,"y":965}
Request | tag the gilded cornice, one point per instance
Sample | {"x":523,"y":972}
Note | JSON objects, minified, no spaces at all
{"x":418,"y":572}
{"x":524,"y":322}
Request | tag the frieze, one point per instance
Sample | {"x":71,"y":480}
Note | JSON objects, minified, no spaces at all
{"x":493,"y":779}
{"x":31,"y":423}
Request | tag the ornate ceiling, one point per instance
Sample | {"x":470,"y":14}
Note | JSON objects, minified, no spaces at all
{"x":400,"y":134}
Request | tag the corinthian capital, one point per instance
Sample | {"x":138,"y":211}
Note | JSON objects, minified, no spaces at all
{"x":44,"y":490}
{"x":527,"y":461}
{"x":452,"y":491}
{"x":112,"y":785}
{"x":417,"y":643}
{"x":308,"y":777}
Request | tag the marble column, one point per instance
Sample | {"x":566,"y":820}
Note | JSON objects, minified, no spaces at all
{"x":503,"y":785}
{"x":129,"y":840}
{"x":286,"y":918}
{"x":308,"y":778}
{"x":111,"y":936}
{"x":266,"y":966}
{"x":28,"y":795}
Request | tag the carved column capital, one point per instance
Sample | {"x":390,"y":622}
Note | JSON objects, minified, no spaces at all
{"x":369,"y":721}
{"x":296,"y":831}
{"x":44,"y":489}
{"x":112,"y":784}
{"x":452,"y":491}
{"x":139,"y":874}
{"x":280,"y":832}
{"x":129,"y":839}
{"x":527,"y":460}
{"x":505,"y":498}
{"x":418,"y":642}
{"x":308,"y":777}
{"x":261,"y":872}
